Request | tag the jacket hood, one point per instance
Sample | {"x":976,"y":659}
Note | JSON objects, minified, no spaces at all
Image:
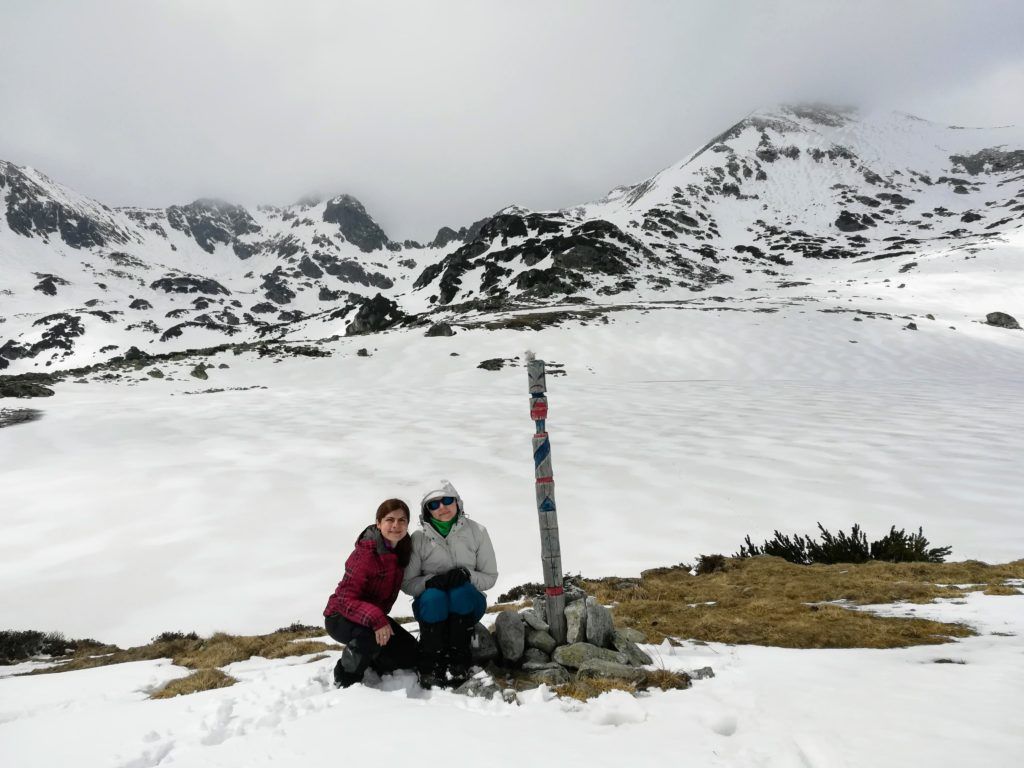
{"x":372,"y":534}
{"x":444,"y":488}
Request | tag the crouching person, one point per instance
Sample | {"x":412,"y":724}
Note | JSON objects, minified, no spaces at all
{"x":356,"y":614}
{"x":451,"y":566}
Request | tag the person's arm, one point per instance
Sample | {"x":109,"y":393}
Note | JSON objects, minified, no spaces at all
{"x":414,"y":581}
{"x":352,"y":589}
{"x":485,"y":573}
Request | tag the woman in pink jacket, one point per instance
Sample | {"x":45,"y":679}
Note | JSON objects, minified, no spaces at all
{"x":357,"y":612}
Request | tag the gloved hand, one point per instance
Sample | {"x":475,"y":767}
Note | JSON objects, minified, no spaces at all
{"x":437,"y":581}
{"x":455,"y":577}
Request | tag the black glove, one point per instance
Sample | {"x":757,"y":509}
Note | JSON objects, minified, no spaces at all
{"x":456,"y":577}
{"x":437,"y":581}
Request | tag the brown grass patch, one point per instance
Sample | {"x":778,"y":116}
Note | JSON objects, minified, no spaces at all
{"x":203,"y":680}
{"x":666,"y":680}
{"x":1001,"y":589}
{"x":768,"y":601}
{"x":588,"y":688}
{"x":200,"y":653}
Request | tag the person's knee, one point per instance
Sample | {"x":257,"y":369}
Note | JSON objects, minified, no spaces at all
{"x":467,"y":600}
{"x":432,"y":606}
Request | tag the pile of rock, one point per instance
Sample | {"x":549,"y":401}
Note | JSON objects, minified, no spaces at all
{"x":523,"y":645}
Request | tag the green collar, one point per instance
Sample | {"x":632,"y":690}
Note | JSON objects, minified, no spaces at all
{"x":443,"y":528}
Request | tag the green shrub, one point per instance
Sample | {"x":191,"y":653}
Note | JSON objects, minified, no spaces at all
{"x":895,"y":547}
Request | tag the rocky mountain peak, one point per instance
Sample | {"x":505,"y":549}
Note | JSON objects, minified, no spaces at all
{"x":210,"y":221}
{"x":356,"y":225}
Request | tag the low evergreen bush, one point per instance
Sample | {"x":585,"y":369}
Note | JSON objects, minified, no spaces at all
{"x":20,"y":645}
{"x":896,"y":547}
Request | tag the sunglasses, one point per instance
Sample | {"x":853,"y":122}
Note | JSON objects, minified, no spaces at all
{"x":435,"y":504}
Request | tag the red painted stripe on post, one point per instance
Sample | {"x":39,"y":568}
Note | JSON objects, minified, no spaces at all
{"x":554,"y":591}
{"x":545,"y":479}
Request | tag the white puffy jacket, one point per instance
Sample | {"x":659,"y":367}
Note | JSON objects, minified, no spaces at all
{"x":467,"y":545}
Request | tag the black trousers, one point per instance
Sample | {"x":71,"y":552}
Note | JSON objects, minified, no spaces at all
{"x":399,"y":653}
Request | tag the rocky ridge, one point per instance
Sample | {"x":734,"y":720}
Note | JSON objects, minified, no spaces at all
{"x":780,"y":197}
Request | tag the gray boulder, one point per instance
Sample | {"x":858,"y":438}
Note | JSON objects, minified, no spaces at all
{"x":599,"y":627}
{"x":704,"y":673}
{"x":543,"y":641}
{"x":482,"y":645}
{"x":1002,"y":320}
{"x":536,"y":656}
{"x":546,"y":674}
{"x":576,"y":654}
{"x":633,"y":635}
{"x":636,"y":656}
{"x":576,"y":622}
{"x":533,"y":620}
{"x":440,"y":329}
{"x":481,"y":686}
{"x":609,"y":670}
{"x":510,"y":634}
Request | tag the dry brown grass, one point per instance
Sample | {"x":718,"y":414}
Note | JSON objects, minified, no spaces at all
{"x":203,"y":680}
{"x":768,"y":601}
{"x":1001,"y":589}
{"x":587,"y":688}
{"x":201,"y":654}
{"x":665,"y":680}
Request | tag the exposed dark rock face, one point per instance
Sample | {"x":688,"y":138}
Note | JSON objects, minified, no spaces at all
{"x":48,"y":284}
{"x":11,"y":416}
{"x":210,"y":222}
{"x":1002,"y":320}
{"x":326,"y":294}
{"x":350,"y":271}
{"x":140,"y":304}
{"x":134,"y":353}
{"x":309,"y":269}
{"x":440,"y":329}
{"x":189,"y":284}
{"x":852,"y":222}
{"x":176,"y":330}
{"x":23,"y":388}
{"x":63,"y":329}
{"x":377,"y":314}
{"x":992,"y":160}
{"x":276,"y":288}
{"x":355,"y":223}
{"x":444,"y":236}
{"x":32,"y":210}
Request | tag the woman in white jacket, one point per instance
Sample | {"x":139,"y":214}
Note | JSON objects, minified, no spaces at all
{"x":451,"y":566}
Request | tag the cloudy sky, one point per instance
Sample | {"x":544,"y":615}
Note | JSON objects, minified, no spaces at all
{"x":442,"y":112}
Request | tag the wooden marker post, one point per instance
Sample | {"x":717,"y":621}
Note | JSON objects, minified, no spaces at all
{"x":550,"y":550}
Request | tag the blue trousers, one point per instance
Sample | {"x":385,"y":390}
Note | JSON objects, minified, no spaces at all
{"x":434,"y":605}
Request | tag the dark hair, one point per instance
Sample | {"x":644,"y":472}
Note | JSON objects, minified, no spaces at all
{"x":404,"y":547}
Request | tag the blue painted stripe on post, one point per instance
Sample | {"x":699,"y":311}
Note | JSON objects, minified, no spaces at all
{"x":542,"y":452}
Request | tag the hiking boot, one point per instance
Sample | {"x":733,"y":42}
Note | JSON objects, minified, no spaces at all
{"x":432,"y":658}
{"x":460,"y":655}
{"x":349,"y":669}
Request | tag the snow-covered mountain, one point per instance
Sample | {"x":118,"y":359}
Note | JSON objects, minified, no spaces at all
{"x":786,"y":198}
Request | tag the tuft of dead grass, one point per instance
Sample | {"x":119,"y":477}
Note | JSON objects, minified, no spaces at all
{"x":200,"y":653}
{"x":768,"y":601}
{"x":201,"y":680}
{"x":589,"y":688}
{"x":666,"y":680}
{"x":1001,"y":589}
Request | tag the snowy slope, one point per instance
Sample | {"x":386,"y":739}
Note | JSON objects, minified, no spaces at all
{"x":789,"y":195}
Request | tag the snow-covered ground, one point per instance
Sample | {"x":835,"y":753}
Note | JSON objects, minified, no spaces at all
{"x":131,"y":510}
